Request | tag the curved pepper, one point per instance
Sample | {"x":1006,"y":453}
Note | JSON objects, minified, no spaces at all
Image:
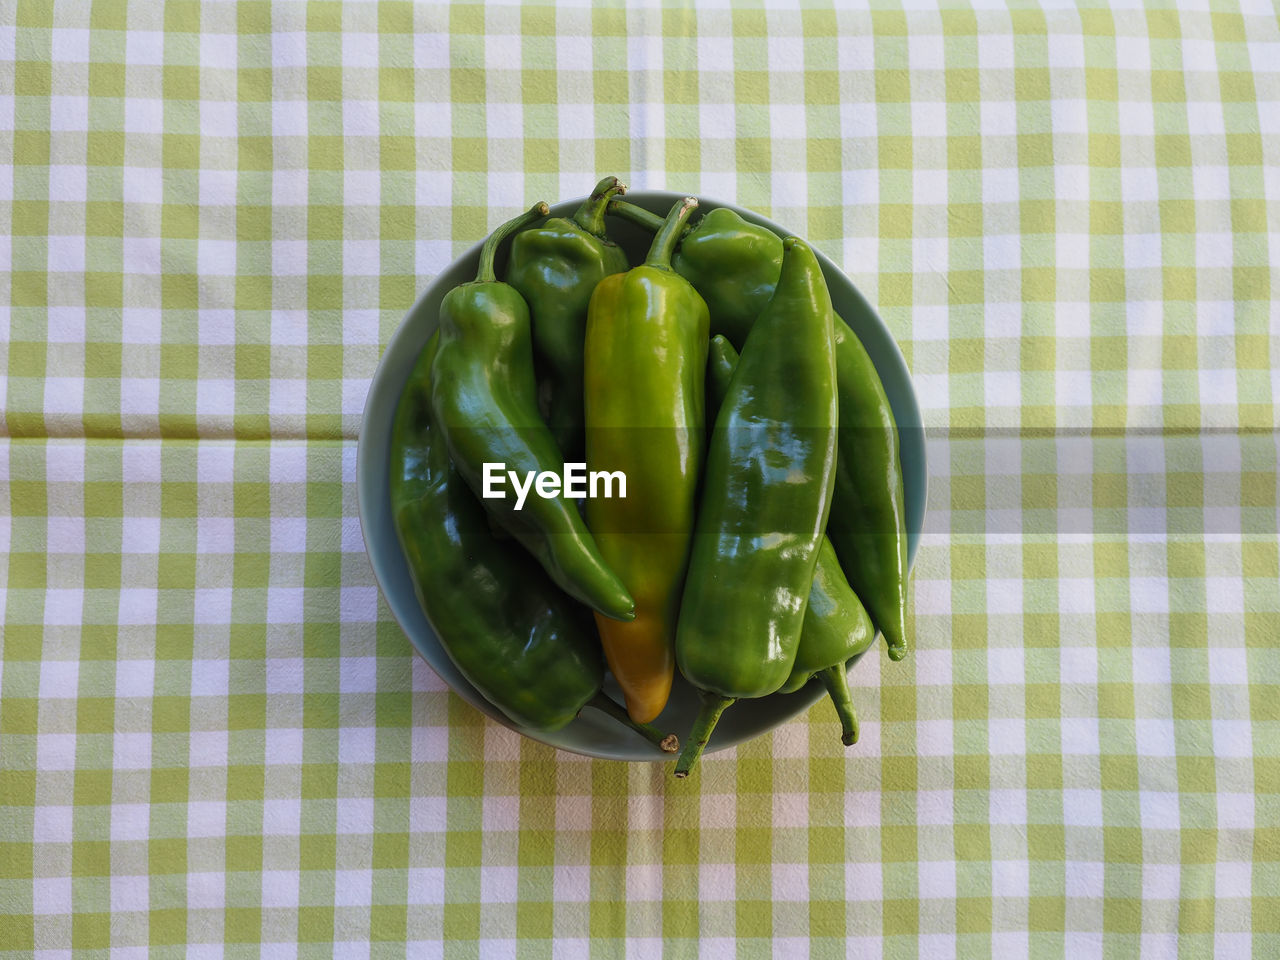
{"x":646,"y":354}
{"x":484,"y":400}
{"x":555,"y":266}
{"x":770,"y":469}
{"x":734,"y":264}
{"x":836,"y":626}
{"x":518,"y":639}
{"x":870,"y":534}
{"x":836,"y":629}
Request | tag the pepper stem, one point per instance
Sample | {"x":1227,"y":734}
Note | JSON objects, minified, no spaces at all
{"x":633,"y":214}
{"x":837,"y":683}
{"x":590,"y":216}
{"x":664,"y":244}
{"x":700,"y":733}
{"x":485,"y":273}
{"x":666,"y":742}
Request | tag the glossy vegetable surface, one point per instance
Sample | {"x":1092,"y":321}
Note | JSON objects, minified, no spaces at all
{"x":484,"y":400}
{"x":766,"y":496}
{"x":836,"y":626}
{"x":556,"y":266}
{"x":646,"y":351}
{"x":516,"y":637}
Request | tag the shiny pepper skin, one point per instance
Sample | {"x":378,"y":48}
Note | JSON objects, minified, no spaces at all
{"x":556,"y":266}
{"x":516,"y":637}
{"x":524,"y":644}
{"x":646,"y":351}
{"x":765,"y":500}
{"x":836,"y":625}
{"x":484,"y":400}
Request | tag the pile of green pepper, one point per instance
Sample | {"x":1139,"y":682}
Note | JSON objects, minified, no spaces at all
{"x":761,"y":542}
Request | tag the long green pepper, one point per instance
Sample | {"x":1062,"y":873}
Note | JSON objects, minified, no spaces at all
{"x":766,"y":496}
{"x":836,"y":626}
{"x":485,"y":601}
{"x":484,"y":399}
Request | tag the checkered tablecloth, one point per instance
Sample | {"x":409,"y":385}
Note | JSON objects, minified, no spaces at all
{"x":215,"y":741}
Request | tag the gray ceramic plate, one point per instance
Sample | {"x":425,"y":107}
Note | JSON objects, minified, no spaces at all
{"x":593,"y":733}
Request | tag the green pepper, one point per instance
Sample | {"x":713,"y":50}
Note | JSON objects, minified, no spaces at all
{"x":836,"y":629}
{"x":484,"y":399}
{"x":869,"y":532}
{"x":765,"y":500}
{"x":734,"y":264}
{"x":836,"y":626}
{"x":646,"y":354}
{"x":518,"y":639}
{"x":555,"y":266}
{"x":735,"y":287}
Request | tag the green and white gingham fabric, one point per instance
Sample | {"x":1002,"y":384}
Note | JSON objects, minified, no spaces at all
{"x":215,"y":741}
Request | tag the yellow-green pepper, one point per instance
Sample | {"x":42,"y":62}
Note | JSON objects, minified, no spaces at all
{"x":646,"y":353}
